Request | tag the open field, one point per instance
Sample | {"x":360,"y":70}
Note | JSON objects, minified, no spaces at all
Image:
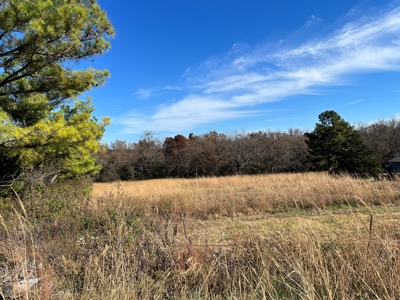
{"x":286,"y":236}
{"x":245,"y":195}
{"x":217,"y":208}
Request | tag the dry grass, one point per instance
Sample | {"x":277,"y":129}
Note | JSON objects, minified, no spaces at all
{"x":287,"y":236}
{"x":245,"y":195}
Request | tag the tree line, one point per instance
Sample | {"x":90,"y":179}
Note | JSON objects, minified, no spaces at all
{"x":48,"y":132}
{"x":209,"y":154}
{"x":364,"y":148}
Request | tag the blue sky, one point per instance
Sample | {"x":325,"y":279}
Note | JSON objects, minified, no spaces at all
{"x":182,"y":66}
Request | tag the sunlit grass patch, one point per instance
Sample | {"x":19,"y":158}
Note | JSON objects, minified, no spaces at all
{"x":286,"y":236}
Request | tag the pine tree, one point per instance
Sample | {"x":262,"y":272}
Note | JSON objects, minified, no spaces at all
{"x":337,"y":147}
{"x":43,"y":124}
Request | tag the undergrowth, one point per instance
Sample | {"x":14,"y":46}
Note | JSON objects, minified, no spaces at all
{"x":120,"y":244}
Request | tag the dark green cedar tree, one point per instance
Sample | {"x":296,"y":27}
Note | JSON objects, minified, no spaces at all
{"x":335,"y":146}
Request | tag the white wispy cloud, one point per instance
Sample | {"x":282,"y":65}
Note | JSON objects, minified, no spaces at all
{"x":230,"y":86}
{"x":187,"y":113}
{"x":354,"y":102}
{"x":143,"y":93}
{"x":312,"y":20}
{"x":174,"y":88}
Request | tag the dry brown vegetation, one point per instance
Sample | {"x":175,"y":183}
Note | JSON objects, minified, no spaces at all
{"x":286,"y":236}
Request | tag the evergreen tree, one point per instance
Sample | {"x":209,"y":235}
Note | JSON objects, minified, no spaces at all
{"x":43,"y":124}
{"x":337,"y":147}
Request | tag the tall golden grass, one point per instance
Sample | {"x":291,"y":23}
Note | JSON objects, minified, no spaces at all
{"x":286,"y":236}
{"x":244,"y":195}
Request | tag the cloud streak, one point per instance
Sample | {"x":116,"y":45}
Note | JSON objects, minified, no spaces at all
{"x":354,"y":102}
{"x":143,"y":93}
{"x":182,"y":115}
{"x":232,"y":86}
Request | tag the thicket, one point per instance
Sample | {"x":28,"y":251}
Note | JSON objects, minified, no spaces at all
{"x":210,"y":154}
{"x":218,"y":154}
